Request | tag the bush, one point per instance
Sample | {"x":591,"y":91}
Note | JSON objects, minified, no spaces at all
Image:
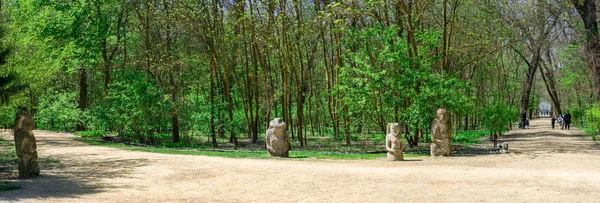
{"x":97,"y":133}
{"x":590,"y":131}
{"x":592,"y":116}
{"x":59,"y":111}
{"x":469,"y":137}
{"x":179,"y":145}
{"x":498,"y":116}
{"x":576,"y":115}
{"x":7,"y":116}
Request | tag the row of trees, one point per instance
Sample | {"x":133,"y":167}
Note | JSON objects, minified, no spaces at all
{"x":224,"y":68}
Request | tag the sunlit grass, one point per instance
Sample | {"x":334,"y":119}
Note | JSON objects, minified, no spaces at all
{"x":5,"y":186}
{"x":257,"y":154}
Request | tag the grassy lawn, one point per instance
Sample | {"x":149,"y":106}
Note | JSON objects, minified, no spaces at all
{"x":8,"y":156}
{"x":467,"y":138}
{"x":5,"y":186}
{"x":325,"y":147}
{"x":256,"y":154}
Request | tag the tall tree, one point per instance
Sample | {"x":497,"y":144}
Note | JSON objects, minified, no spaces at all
{"x":587,"y":11}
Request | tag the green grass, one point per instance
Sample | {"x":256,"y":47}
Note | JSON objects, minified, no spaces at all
{"x":97,"y":133}
{"x":466,"y":138}
{"x":258,"y":154}
{"x":5,"y":186}
{"x":7,"y":153}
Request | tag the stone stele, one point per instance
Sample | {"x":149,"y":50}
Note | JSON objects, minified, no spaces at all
{"x":277,"y":140}
{"x":25,"y":146}
{"x":441,"y":134}
{"x":393,"y":142}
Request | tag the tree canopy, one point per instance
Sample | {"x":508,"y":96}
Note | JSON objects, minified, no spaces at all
{"x":160,"y":71}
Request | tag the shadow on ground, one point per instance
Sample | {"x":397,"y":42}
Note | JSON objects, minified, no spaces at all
{"x":542,"y":140}
{"x":72,"y":175}
{"x":71,"y":178}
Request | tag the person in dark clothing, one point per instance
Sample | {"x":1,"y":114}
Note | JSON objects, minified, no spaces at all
{"x":553,"y":121}
{"x":523,"y":118}
{"x":567,"y":120}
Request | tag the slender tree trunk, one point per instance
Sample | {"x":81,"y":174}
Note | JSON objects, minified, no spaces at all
{"x":532,"y":66}
{"x":255,"y":86}
{"x":466,"y":126}
{"x":213,"y":133}
{"x":82,"y":95}
{"x":550,"y":86}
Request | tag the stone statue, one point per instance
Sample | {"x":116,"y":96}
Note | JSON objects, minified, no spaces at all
{"x":441,"y":132}
{"x":277,"y":140}
{"x":504,"y":148}
{"x":25,"y":146}
{"x":393,"y":142}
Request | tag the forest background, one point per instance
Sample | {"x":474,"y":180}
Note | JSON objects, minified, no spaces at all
{"x":212,"y":73}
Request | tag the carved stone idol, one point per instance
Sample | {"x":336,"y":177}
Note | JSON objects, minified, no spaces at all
{"x":277,"y":140}
{"x":393,"y":142}
{"x":25,"y":146}
{"x":441,"y":134}
{"x":504,"y":148}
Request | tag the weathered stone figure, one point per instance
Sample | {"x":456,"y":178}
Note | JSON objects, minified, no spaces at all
{"x":25,"y":146}
{"x":441,"y":134}
{"x":393,"y":142}
{"x":504,"y":148}
{"x":277,"y":140}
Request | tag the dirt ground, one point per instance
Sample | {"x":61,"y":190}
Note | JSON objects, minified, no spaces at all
{"x":544,"y":165}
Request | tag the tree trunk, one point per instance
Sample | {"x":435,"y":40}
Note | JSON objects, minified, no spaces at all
{"x":175,"y":124}
{"x":212,"y":103}
{"x":82,"y":95}
{"x":466,"y":122}
{"x":532,"y":66}
{"x":549,"y":82}
{"x":587,"y":11}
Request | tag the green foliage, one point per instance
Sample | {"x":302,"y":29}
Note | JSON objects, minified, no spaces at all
{"x":9,"y":81}
{"x":378,"y":66}
{"x":59,"y":111}
{"x":179,"y":145}
{"x":497,"y":116}
{"x":592,"y":132}
{"x":134,"y":104}
{"x":9,"y":85}
{"x":7,"y":116}
{"x":592,"y":117}
{"x":6,"y":186}
{"x":355,"y":64}
{"x":8,"y":155}
{"x":97,"y":133}
{"x":467,"y":138}
{"x":576,"y":115}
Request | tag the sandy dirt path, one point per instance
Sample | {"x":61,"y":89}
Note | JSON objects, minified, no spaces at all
{"x":544,"y":165}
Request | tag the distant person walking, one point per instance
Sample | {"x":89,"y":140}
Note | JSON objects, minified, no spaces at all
{"x":553,"y":121}
{"x":567,"y":120}
{"x":523,"y":119}
{"x":561,"y":121}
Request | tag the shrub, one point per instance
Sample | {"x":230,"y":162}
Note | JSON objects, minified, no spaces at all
{"x":498,"y":116}
{"x":97,"y":133}
{"x":59,"y":112}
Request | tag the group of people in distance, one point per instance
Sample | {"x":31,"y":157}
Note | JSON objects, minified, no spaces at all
{"x":564,"y":121}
